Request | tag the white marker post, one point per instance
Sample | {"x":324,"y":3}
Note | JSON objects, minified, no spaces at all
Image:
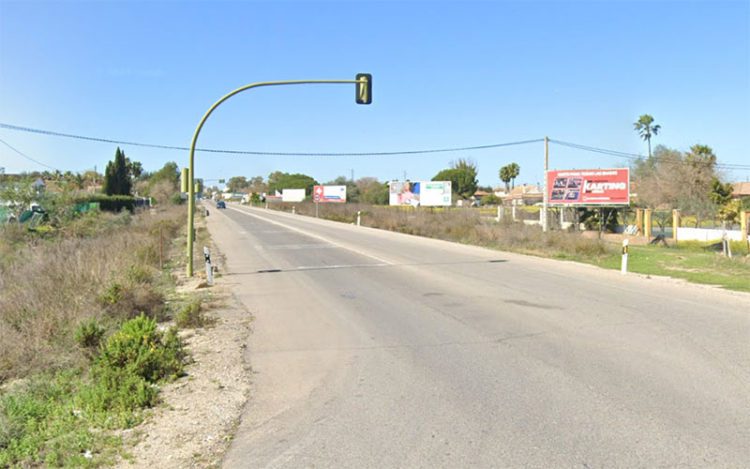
{"x":293,"y":210}
{"x":359,"y":217}
{"x":209,"y":269}
{"x":624,"y":267}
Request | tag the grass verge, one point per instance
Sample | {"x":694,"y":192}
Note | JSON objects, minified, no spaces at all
{"x":694,"y":262}
{"x":81,"y":354}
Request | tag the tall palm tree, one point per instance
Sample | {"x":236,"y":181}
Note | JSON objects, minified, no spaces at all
{"x":645,"y":128}
{"x":514,"y":172}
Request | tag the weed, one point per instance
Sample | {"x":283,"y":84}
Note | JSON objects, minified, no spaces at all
{"x":111,"y":295}
{"x":89,"y":335}
{"x":190,"y":316}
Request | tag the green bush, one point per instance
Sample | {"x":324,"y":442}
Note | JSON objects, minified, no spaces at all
{"x":142,"y":350}
{"x":111,"y":295}
{"x":89,"y":334}
{"x":114,"y":397}
{"x":191,"y":315}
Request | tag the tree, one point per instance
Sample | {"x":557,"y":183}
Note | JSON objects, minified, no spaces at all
{"x":372,"y":191}
{"x":463,"y":177}
{"x":257,"y":185}
{"x":117,"y":176}
{"x":505,"y":177}
{"x":277,"y":181}
{"x":135,"y":168}
{"x":170,"y":172}
{"x":671,"y":179}
{"x":237,"y":183}
{"x":645,"y":128}
{"x":509,"y":173}
{"x":515,"y":170}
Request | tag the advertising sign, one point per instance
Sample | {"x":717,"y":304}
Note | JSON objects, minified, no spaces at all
{"x":329,"y":194}
{"x":292,"y":195}
{"x":589,"y":187}
{"x":416,"y":193}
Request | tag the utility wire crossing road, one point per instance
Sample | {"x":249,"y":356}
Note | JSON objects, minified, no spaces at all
{"x":375,"y":349}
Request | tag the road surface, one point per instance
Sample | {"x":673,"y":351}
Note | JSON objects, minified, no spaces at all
{"x":374,"y":349}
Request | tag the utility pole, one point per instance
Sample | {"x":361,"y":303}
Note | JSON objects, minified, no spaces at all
{"x":545,"y":202}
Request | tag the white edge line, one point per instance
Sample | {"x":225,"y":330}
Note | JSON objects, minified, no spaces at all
{"x":312,"y":235}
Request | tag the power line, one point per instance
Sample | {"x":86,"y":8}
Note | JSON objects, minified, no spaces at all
{"x":635,"y":157}
{"x":615,"y":153}
{"x":262,"y":153}
{"x":25,"y":155}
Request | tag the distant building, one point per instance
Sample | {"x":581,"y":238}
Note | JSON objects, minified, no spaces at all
{"x":527,"y":194}
{"x":740,"y":189}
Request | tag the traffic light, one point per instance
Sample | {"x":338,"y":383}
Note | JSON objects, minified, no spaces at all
{"x":184,"y":183}
{"x":363,"y":88}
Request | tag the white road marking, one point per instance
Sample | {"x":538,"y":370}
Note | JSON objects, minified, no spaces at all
{"x":337,"y":266}
{"x":313,"y":235}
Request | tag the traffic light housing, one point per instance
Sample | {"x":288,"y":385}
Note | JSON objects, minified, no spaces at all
{"x":363,"y":88}
{"x":184,"y":180}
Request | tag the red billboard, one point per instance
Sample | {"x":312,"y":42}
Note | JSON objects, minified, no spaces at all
{"x":589,"y":187}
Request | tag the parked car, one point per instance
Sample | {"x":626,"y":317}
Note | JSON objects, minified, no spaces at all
{"x":221,"y":204}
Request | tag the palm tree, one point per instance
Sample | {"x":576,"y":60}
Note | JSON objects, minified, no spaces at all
{"x":505,"y":176}
{"x":645,"y":128}
{"x":514,"y":171}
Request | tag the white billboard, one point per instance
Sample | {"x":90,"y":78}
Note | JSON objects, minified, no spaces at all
{"x":424,"y":193}
{"x":292,"y":195}
{"x":329,"y":194}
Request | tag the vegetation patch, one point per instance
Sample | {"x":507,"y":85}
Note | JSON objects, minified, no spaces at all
{"x":57,"y":419}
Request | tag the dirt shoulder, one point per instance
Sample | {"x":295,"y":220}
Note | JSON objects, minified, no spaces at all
{"x":195,"y":423}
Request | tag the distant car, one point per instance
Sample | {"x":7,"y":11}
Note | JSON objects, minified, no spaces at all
{"x":221,"y":204}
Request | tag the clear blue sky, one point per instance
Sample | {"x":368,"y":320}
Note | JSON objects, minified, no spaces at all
{"x":445,"y":74}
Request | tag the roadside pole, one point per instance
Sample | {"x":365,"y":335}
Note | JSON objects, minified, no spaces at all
{"x":359,"y":218}
{"x":209,"y":269}
{"x":545,"y":201}
{"x":624,"y":265}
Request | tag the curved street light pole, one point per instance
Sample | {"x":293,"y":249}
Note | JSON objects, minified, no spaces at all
{"x":191,"y":173}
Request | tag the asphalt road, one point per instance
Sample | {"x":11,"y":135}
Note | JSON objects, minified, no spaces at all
{"x":375,"y":349}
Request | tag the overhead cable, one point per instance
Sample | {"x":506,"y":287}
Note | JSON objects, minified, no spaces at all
{"x":25,"y":155}
{"x":262,"y":153}
{"x":635,"y":157}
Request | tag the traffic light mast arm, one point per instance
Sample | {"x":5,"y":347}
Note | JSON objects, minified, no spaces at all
{"x":360,"y":80}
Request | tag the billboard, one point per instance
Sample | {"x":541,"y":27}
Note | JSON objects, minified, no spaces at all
{"x":329,"y":194}
{"x":416,"y":193}
{"x":589,"y":187}
{"x":292,"y":195}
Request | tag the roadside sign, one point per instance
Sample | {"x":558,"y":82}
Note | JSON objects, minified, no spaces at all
{"x":329,"y":194}
{"x":589,"y":187}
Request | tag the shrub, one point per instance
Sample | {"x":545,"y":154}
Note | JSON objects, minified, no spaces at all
{"x":111,"y":295}
{"x":126,"y":302}
{"x":138,"y":273}
{"x":142,"y":350}
{"x":89,"y":334}
{"x":114,"y":397}
{"x":191,"y":315}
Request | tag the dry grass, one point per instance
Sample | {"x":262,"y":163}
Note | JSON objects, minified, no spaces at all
{"x":460,"y":225}
{"x":101,"y":266}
